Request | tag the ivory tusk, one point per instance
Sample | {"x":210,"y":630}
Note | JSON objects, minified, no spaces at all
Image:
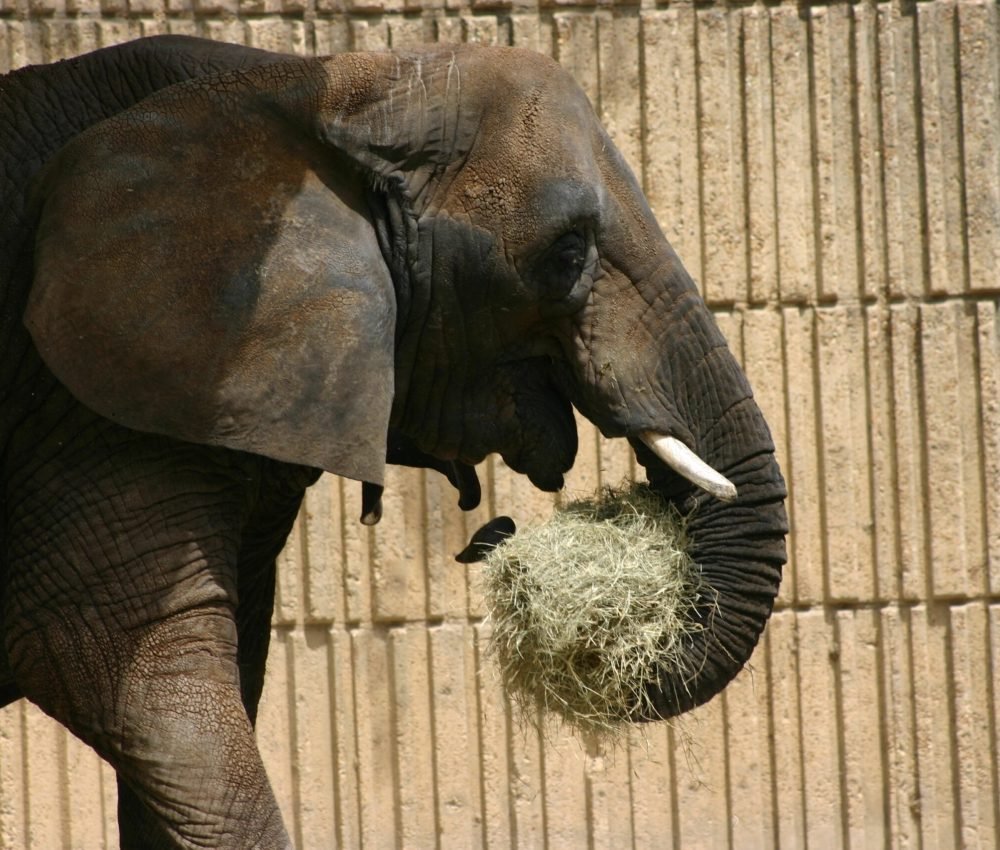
{"x":685,"y":462}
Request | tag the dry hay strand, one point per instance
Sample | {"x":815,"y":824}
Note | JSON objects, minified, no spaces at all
{"x":588,"y":607}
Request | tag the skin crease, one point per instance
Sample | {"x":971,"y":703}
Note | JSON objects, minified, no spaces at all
{"x":278,"y":266}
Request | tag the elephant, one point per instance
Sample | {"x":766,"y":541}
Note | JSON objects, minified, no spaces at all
{"x":223,"y":271}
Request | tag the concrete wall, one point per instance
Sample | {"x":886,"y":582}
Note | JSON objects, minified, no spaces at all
{"x":831,"y":175}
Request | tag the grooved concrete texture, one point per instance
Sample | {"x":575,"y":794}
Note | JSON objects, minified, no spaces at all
{"x":830,"y":174}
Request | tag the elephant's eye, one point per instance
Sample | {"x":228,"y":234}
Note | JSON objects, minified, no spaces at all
{"x":562,"y":265}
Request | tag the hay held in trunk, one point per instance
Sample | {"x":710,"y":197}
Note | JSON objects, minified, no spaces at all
{"x":589,"y":606}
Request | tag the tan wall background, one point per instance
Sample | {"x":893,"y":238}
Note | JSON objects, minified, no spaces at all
{"x":831,"y":175}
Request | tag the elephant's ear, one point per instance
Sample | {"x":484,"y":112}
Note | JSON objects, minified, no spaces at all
{"x":207,"y":269}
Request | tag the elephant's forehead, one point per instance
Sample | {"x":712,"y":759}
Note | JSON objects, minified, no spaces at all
{"x":541,"y":136}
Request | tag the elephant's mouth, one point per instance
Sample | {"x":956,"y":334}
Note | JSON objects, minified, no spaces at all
{"x":520,"y":412}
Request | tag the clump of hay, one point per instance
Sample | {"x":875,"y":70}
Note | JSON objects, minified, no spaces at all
{"x":589,"y":606}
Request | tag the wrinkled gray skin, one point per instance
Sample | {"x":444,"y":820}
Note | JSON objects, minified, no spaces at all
{"x":287,"y":267}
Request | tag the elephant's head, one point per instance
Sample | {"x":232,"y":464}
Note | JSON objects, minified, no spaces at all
{"x":293,"y":259}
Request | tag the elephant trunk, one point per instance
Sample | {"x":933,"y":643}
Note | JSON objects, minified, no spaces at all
{"x":684,"y":384}
{"x":739,"y":549}
{"x":737,"y":541}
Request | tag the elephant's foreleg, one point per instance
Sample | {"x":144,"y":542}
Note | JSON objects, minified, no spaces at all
{"x":198,"y":781}
{"x":121,"y":612}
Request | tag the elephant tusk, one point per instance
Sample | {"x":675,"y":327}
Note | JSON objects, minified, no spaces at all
{"x":685,"y":462}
